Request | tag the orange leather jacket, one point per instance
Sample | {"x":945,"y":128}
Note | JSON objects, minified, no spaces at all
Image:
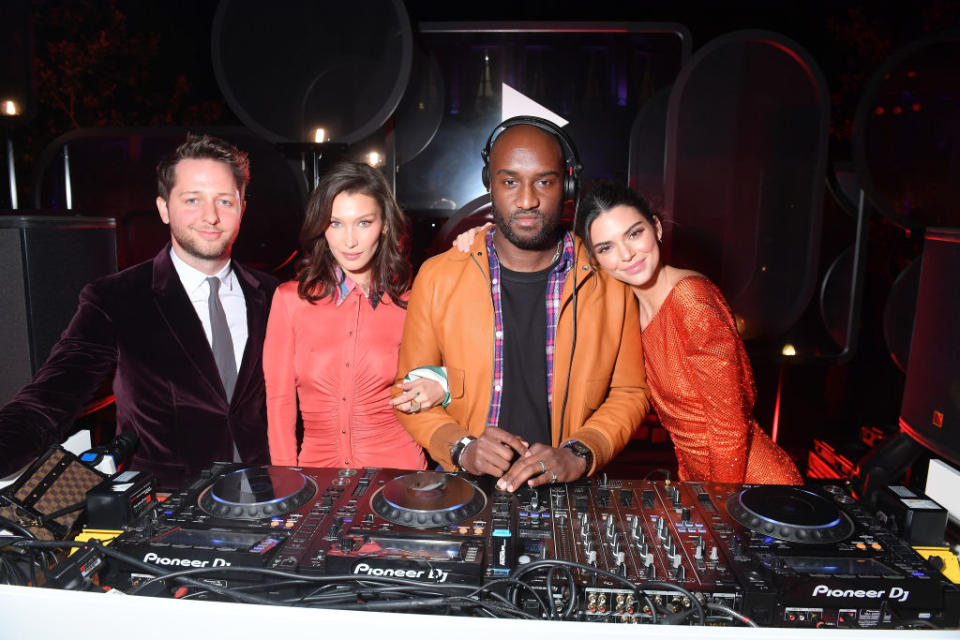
{"x":450,"y":323}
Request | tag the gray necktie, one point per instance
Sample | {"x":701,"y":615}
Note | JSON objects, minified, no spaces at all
{"x":222,"y":341}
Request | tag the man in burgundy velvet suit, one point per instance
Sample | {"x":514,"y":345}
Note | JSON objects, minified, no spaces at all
{"x":183,"y":332}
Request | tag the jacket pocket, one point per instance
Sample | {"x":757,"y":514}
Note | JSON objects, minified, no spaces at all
{"x":595,"y":392}
{"x":455,"y":382}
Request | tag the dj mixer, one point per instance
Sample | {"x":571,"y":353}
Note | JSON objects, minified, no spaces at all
{"x":778,"y":555}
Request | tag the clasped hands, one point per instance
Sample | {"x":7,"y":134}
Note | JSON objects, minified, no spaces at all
{"x":493,"y":452}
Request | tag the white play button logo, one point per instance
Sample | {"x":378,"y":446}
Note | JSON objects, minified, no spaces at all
{"x":515,"y":103}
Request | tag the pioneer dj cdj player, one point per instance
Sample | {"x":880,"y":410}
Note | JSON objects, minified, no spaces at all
{"x":598,"y":549}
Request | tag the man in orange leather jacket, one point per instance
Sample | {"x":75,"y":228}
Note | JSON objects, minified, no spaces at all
{"x":454,"y":320}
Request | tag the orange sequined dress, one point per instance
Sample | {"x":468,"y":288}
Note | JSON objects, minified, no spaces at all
{"x":702,"y":388}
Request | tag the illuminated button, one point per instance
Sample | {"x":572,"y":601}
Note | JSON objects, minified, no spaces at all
{"x":289,"y":524}
{"x":464,"y":530}
{"x":478,"y":531}
{"x":876,"y":546}
{"x":861,"y":546}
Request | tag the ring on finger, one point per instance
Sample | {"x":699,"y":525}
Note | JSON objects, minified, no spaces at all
{"x":414,"y":406}
{"x":554,"y":479}
{"x":543,"y":467}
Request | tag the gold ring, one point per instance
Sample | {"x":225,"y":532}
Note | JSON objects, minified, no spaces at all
{"x":414,"y":406}
{"x":543,"y":467}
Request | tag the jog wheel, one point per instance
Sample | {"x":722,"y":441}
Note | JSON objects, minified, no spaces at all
{"x":428,"y":499}
{"x":257,"y":492}
{"x":791,"y":514}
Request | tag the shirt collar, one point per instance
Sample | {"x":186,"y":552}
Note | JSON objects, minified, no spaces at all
{"x":562,"y":265}
{"x":347,"y":285}
{"x":193,"y":278}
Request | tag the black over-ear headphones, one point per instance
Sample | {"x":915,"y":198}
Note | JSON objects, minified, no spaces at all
{"x":571,"y":160}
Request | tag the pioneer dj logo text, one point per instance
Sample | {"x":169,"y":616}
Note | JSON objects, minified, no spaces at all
{"x":184,"y":562}
{"x":896,"y":593}
{"x":434,"y":574}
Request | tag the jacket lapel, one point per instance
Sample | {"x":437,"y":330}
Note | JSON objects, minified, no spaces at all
{"x":181,"y":319}
{"x":256,"y":302}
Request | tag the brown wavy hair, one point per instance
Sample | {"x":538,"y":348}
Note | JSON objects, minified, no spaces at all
{"x":203,"y":147}
{"x":317,"y":269}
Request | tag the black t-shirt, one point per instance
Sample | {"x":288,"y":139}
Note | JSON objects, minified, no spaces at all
{"x":523,"y":404}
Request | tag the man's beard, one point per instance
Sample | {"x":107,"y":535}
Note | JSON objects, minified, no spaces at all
{"x":198,"y":249}
{"x":546,"y":238}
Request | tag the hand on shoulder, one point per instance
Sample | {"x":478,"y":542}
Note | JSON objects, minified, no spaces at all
{"x":464,"y":241}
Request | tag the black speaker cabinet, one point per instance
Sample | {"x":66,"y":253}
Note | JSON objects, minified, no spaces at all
{"x":44,"y":263}
{"x":930,"y":413}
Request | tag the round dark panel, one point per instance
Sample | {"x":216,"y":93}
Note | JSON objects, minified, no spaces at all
{"x":899,"y":311}
{"x":907,"y":131}
{"x":419,"y":114}
{"x":835,"y":296}
{"x":288,"y":68}
{"x":257,"y":492}
{"x":428,"y":499}
{"x":791,"y":514}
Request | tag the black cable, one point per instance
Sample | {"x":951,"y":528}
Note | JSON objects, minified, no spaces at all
{"x":669,"y":586}
{"x":10,"y":524}
{"x":716,"y":606}
{"x":665,"y":472}
{"x":11,"y":573}
{"x":487,"y":586}
{"x":15,"y":526}
{"x":148,"y":568}
{"x":573,"y":345}
{"x":540,"y":564}
{"x":183,"y":575}
{"x":571,"y":603}
{"x":494,"y":607}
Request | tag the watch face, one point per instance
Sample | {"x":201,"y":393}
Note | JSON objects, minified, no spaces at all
{"x":578,"y":449}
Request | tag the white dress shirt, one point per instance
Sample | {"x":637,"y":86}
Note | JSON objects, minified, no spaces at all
{"x":231,"y":297}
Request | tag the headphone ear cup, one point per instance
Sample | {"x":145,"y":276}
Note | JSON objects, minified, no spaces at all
{"x":485,"y":176}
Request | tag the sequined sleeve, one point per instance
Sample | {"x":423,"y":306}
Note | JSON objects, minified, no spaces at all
{"x":718,"y":366}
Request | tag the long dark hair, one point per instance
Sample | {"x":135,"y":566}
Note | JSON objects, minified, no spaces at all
{"x":317,"y":270}
{"x":606,"y":196}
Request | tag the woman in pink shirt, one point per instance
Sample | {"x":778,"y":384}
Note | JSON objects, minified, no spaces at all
{"x":333,"y":335}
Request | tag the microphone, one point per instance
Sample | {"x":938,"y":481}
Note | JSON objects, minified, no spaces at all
{"x":113,"y":456}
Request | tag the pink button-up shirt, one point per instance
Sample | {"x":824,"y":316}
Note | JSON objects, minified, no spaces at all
{"x":338,"y":358}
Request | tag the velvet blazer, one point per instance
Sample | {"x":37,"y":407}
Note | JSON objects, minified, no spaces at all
{"x":141,"y":323}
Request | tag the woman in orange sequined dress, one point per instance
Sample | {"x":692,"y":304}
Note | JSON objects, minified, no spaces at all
{"x":697,"y":368}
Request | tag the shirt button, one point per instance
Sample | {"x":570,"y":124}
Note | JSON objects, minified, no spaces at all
{"x":349,"y":333}
{"x":499,"y":334}
{"x":344,"y":398}
{"x":348,"y":365}
{"x":497,"y":387}
{"x":343,"y":430}
{"x":346,"y":462}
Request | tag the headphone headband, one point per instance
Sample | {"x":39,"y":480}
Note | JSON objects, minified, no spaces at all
{"x":571,"y":159}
